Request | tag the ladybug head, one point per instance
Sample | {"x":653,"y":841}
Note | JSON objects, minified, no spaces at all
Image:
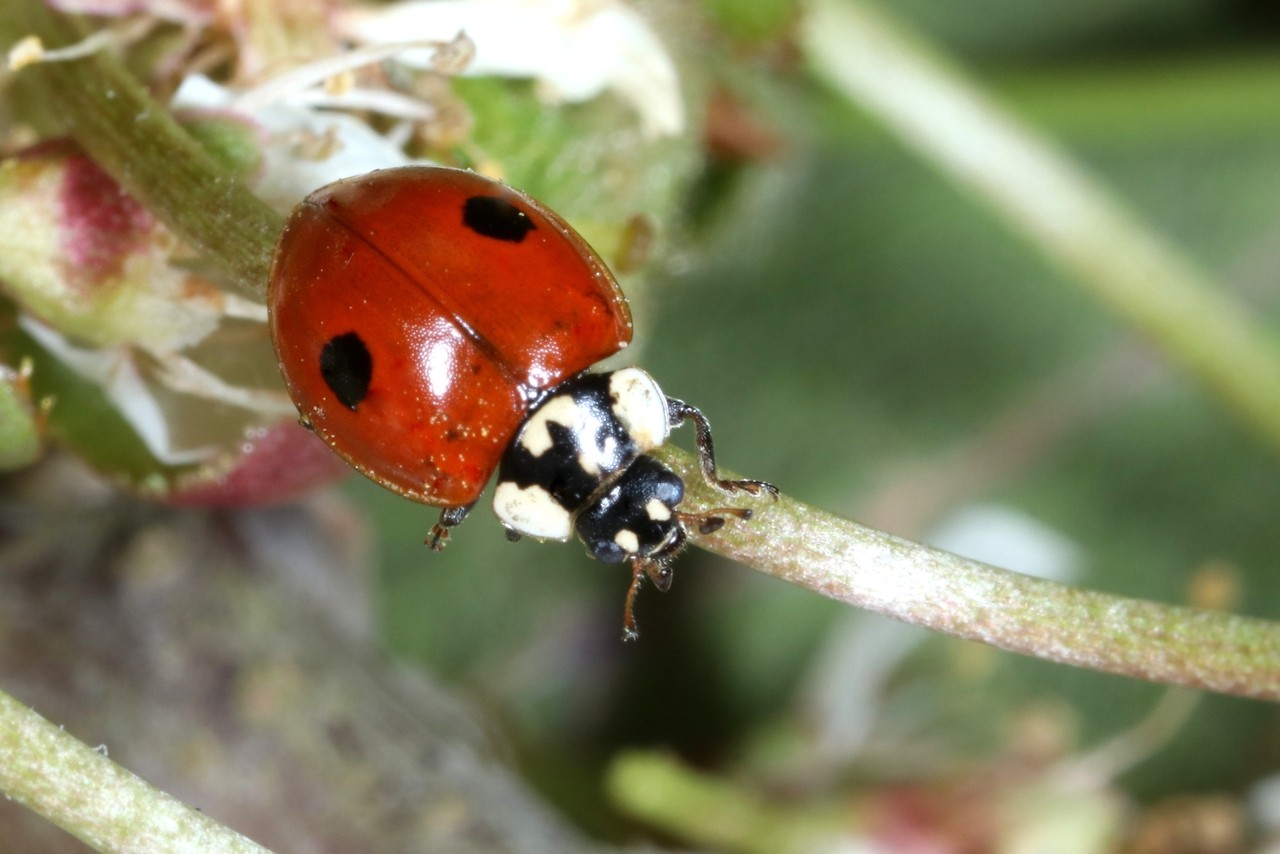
{"x":637,"y":517}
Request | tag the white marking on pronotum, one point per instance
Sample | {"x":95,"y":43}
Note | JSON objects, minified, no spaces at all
{"x":595,"y":442}
{"x":536,"y":437}
{"x":640,"y":406}
{"x":531,"y":511}
{"x":593,"y":458}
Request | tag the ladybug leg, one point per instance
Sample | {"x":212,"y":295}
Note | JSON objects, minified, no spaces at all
{"x":659,"y":572}
{"x":712,"y":520}
{"x":681,"y":412}
{"x":629,"y":630}
{"x":449,"y":517}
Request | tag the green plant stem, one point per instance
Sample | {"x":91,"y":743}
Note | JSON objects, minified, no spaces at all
{"x":1064,"y":213}
{"x":721,"y":815}
{"x":137,"y":141}
{"x":971,"y":600}
{"x":83,"y":791}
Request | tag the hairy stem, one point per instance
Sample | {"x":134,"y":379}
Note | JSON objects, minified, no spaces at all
{"x":81,"y":790}
{"x":136,"y":140}
{"x":971,"y":600}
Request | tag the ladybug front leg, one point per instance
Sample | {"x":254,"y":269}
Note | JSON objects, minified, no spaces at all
{"x":659,"y":572}
{"x":450,"y":517}
{"x":681,"y":412}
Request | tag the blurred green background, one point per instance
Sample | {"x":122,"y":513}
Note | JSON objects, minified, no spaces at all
{"x":874,"y":341}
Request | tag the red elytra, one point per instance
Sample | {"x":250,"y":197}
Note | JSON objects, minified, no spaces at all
{"x":417,"y":314}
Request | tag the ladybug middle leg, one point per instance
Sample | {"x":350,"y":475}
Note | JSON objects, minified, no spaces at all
{"x":681,"y":412}
{"x":450,"y":517}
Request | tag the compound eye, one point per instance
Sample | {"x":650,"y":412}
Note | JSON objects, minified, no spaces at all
{"x":606,"y":551}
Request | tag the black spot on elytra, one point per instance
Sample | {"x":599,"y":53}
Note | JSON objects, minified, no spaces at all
{"x":347,"y":367}
{"x":490,"y":216}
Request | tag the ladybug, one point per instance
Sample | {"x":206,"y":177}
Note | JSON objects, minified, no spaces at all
{"x":433,"y":326}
